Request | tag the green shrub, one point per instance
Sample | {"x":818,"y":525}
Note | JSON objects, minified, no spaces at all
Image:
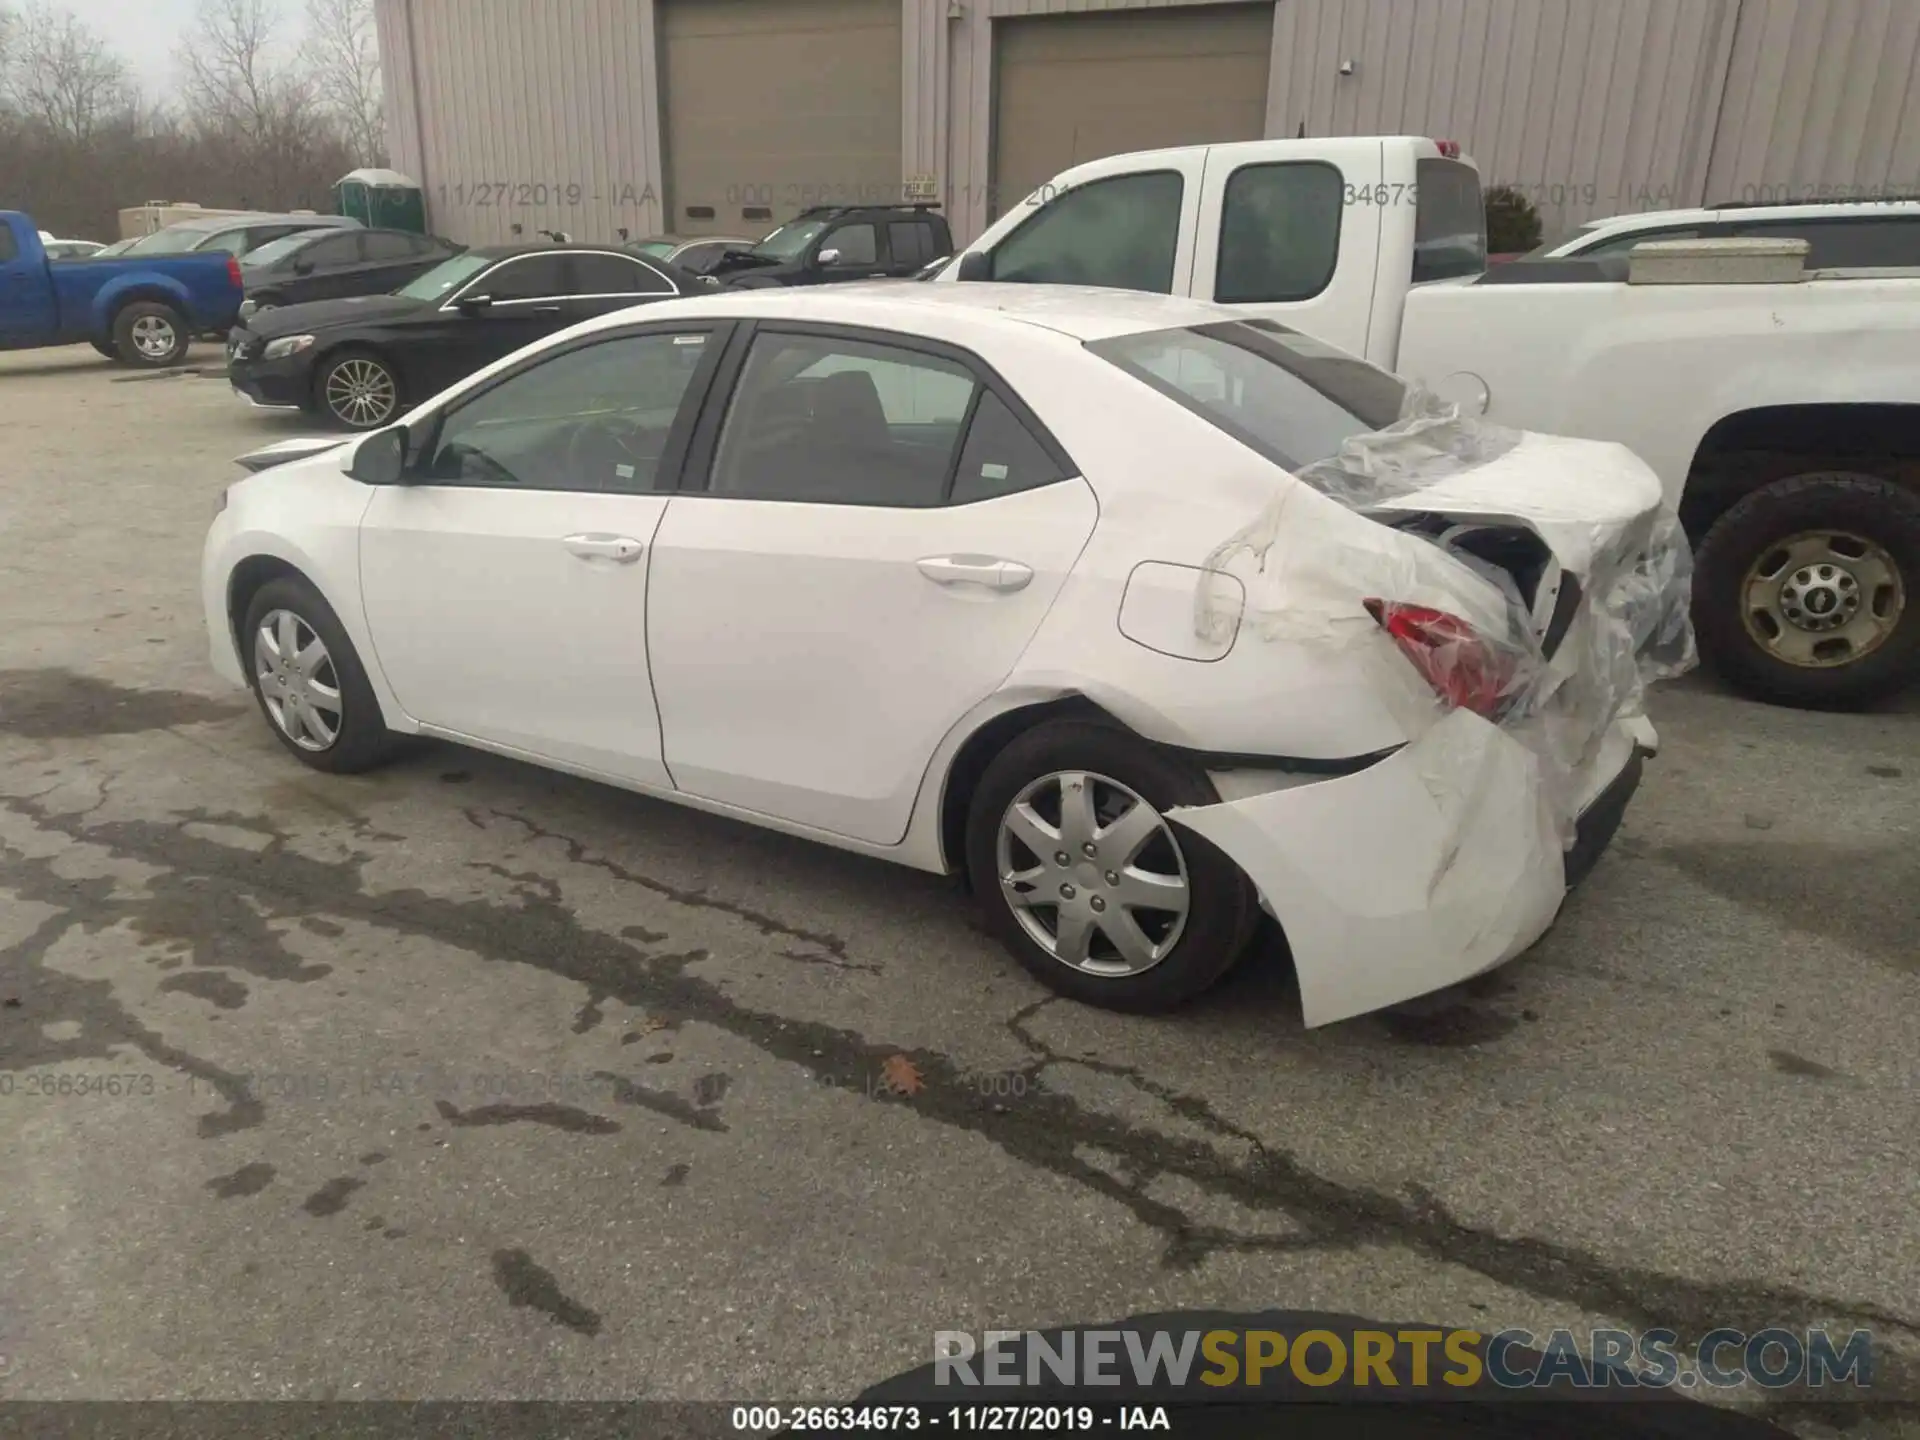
{"x":1513,"y":225}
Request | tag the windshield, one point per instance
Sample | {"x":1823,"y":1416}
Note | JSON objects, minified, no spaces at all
{"x":174,"y":240}
{"x":790,"y":241}
{"x":1287,"y":396}
{"x":276,"y":250}
{"x":443,"y":277}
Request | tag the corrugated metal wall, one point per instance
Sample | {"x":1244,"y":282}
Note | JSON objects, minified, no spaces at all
{"x":1822,"y":96}
{"x":527,"y":115}
{"x":1589,"y":106}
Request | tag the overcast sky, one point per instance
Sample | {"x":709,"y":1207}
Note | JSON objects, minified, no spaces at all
{"x":145,"y":33}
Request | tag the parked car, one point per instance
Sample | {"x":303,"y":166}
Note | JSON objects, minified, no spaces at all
{"x":696,"y":254}
{"x":329,"y":265}
{"x":1841,"y":234}
{"x":361,"y":360}
{"x":1781,"y":417}
{"x":72,"y":249}
{"x":118,"y":247}
{"x":137,"y":309}
{"x":901,"y":570}
{"x":238,"y":235}
{"x":833,"y":243}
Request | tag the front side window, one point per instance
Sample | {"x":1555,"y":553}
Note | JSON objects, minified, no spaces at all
{"x":594,"y":419}
{"x":1291,"y":398}
{"x":856,"y":244}
{"x":1449,"y":221}
{"x":1121,"y":232}
{"x":532,"y":277}
{"x":1279,"y":232}
{"x":844,"y":422}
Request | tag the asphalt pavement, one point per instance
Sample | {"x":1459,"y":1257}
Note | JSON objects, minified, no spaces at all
{"x":465,"y":1080}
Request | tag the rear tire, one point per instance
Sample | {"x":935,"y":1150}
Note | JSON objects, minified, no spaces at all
{"x":104,"y":348}
{"x":1807,"y":591}
{"x":150,"y":335}
{"x":1159,"y":962}
{"x":322,"y":709}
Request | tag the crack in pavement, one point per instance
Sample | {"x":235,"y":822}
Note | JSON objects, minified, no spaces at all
{"x":1042,"y":1133}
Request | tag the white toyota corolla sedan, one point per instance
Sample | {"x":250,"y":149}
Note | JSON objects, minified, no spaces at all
{"x":1144,"y":616}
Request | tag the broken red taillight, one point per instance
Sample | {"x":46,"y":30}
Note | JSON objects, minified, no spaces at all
{"x":1465,"y":671}
{"x":1448,"y":148}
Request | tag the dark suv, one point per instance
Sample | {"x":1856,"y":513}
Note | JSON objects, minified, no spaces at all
{"x":832,"y":243}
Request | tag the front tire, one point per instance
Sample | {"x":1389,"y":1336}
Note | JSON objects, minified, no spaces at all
{"x":1805,"y":591}
{"x":309,"y":681}
{"x":1081,"y":876}
{"x":357,"y":390}
{"x":150,"y":335}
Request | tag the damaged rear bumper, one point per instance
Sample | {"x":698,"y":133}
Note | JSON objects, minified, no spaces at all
{"x":1435,"y":864}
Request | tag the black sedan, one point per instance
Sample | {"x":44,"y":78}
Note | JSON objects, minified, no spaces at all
{"x":362,"y":360}
{"x":323,"y":265}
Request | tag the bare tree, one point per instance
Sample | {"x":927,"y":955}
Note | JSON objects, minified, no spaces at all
{"x":342,"y":54}
{"x":234,"y":78}
{"x":62,"y":76}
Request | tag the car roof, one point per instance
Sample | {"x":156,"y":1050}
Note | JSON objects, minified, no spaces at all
{"x":1080,"y":312}
{"x":547,"y":247}
{"x":1743,"y":214}
{"x":251,"y":219}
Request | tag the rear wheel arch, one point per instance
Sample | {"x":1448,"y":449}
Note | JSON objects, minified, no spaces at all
{"x":1751,"y":449}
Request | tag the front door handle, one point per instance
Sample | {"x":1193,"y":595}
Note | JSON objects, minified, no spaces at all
{"x":544,"y":310}
{"x":987,"y":570}
{"x":621,"y":549}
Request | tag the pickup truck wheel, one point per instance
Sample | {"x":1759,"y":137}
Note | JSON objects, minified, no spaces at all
{"x":150,"y":335}
{"x":358,"y":390}
{"x":1805,"y":592}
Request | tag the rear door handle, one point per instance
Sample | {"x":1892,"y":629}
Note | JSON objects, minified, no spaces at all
{"x":544,"y":310}
{"x":621,"y":549}
{"x":987,"y":570}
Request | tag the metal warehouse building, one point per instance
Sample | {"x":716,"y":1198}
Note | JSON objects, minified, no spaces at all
{"x":725,"y":116}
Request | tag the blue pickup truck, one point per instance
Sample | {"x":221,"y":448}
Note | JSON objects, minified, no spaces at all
{"x":141,"y":310}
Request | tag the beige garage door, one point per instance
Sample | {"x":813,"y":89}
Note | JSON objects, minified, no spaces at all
{"x":774,"y":105}
{"x":1073,"y":88}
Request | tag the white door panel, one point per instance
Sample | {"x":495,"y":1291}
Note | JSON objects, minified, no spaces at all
{"x":809,"y":658}
{"x":1293,"y":215}
{"x":518,"y":618}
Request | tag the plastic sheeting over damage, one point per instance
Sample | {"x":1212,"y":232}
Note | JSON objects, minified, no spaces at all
{"x":1540,"y":582}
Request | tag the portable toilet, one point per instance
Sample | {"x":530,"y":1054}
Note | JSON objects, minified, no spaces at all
{"x":382,"y":198}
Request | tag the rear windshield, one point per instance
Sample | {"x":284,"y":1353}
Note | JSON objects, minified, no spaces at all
{"x":174,"y":240}
{"x":1449,"y":221}
{"x":1285,"y":395}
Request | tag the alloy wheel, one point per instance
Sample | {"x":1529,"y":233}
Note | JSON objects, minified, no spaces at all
{"x":361,"y":392}
{"x":1093,"y":874}
{"x":297,"y":680}
{"x":154,"y":337}
{"x":1822,"y":598}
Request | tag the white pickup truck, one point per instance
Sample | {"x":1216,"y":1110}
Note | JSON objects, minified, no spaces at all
{"x":1780,"y":407}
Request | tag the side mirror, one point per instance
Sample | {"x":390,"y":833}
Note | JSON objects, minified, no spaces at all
{"x":828,"y":257}
{"x":381,"y":458}
{"x":474,"y":304}
{"x":975,"y":265}
{"x":303,"y":267}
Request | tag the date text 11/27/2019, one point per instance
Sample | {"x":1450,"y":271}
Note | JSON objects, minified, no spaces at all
{"x":529,"y":194}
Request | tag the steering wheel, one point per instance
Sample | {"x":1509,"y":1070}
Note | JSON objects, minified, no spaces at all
{"x":602,"y":442}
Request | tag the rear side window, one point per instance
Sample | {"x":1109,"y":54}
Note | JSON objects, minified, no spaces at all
{"x":386,"y":245}
{"x":1282,"y":394}
{"x":1001,"y":455}
{"x":535,"y":277}
{"x":856,"y":244}
{"x":912,"y":242}
{"x":340,"y":250}
{"x":615,"y":275}
{"x":1279,"y":232}
{"x":1449,"y":221}
{"x":1121,"y":232}
{"x":1868,"y":242}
